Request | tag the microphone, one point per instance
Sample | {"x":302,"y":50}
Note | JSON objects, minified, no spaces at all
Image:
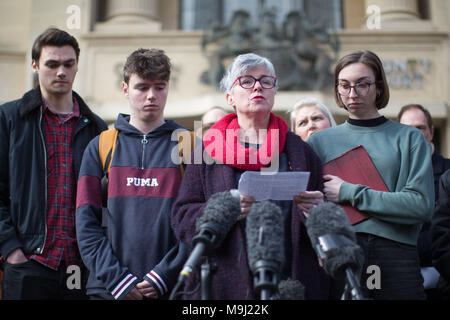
{"x":220,"y":214}
{"x":334,"y":240}
{"x":291,"y":290}
{"x":265,"y":246}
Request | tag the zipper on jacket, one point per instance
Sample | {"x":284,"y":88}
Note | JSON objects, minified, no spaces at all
{"x":41,"y":249}
{"x":144,"y":141}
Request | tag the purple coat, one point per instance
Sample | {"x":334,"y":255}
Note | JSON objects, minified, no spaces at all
{"x":232,"y":279}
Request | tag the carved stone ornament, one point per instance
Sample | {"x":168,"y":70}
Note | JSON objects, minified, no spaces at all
{"x":300,"y":52}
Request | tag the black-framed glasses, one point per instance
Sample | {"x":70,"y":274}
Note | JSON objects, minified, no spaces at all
{"x":248,"y":82}
{"x":361,"y":88}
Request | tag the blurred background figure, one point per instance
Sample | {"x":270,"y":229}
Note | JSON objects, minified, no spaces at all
{"x":213,"y":115}
{"x":417,"y":116}
{"x":209,"y":118}
{"x":308,"y":116}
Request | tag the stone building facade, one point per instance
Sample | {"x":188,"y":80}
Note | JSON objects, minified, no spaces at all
{"x":411,"y":37}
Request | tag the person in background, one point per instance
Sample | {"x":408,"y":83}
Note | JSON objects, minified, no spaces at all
{"x":43,"y":137}
{"x":250,"y":87}
{"x":401,"y":156}
{"x":210,"y":117}
{"x":417,"y":116}
{"x":138,"y":256}
{"x":309,"y":115}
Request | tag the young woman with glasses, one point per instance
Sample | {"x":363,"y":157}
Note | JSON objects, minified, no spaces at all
{"x":402,"y":158}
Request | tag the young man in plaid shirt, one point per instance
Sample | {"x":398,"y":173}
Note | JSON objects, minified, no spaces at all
{"x":44,"y":135}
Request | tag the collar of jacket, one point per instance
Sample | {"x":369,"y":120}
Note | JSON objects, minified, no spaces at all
{"x":33,"y":99}
{"x":295,"y":154}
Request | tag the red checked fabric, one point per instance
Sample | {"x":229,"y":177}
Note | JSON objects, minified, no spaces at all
{"x":60,"y":242}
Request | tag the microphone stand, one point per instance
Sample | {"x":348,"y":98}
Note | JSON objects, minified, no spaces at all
{"x":352,"y":285}
{"x":206,"y":271}
{"x":202,"y":243}
{"x":265,"y":279}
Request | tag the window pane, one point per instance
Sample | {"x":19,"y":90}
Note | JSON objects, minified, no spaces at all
{"x":199,"y":14}
{"x":251,"y":6}
{"x":327,"y":13}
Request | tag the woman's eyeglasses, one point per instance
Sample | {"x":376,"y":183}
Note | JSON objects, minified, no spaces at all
{"x":361,"y":88}
{"x":248,"y":82}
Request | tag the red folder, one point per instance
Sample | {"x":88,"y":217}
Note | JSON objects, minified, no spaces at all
{"x":355,"y":166}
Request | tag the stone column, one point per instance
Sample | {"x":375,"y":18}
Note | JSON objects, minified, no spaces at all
{"x":121,"y":11}
{"x":393,"y":14}
{"x":125,"y":16}
{"x":396,"y":10}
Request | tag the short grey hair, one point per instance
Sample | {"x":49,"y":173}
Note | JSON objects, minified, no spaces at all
{"x":240,"y":65}
{"x":310,"y":102}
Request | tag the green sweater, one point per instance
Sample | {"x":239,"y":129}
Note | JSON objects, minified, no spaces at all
{"x":402,"y":157}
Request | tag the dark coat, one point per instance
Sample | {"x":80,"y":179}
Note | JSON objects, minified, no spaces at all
{"x":23,"y":169}
{"x":440,"y":234}
{"x":440,"y":165}
{"x":233,"y":280}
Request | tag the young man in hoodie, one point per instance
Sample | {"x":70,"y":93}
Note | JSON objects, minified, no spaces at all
{"x":137,"y":256}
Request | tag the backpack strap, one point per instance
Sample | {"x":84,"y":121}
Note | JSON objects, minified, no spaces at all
{"x":186,"y":144}
{"x":106,"y":147}
{"x":108,"y":139}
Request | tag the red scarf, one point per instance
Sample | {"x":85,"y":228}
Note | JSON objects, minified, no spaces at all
{"x":222,"y":143}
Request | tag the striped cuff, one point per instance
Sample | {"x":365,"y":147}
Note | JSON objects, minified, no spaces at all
{"x":124,"y":286}
{"x":157,"y":282}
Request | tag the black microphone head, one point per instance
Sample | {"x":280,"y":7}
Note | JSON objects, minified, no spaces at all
{"x":265,"y":235}
{"x":291,"y":290}
{"x":220,"y":214}
{"x":328,"y":221}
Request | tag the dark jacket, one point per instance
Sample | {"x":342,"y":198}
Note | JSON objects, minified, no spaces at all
{"x":440,"y":232}
{"x":138,"y":244}
{"x":23,"y":161}
{"x":233,"y":280}
{"x":440,"y":165}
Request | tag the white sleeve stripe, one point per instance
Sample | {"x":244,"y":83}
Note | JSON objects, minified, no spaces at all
{"x":158,"y":281}
{"x":125,"y":287}
{"x":119,"y":289}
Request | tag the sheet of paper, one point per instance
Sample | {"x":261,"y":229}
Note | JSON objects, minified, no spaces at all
{"x":279,"y":186}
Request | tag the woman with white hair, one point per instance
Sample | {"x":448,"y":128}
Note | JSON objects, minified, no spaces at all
{"x":309,"y":115}
{"x":251,"y":132}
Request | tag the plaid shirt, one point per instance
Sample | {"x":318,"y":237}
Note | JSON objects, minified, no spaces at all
{"x":60,"y":242}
